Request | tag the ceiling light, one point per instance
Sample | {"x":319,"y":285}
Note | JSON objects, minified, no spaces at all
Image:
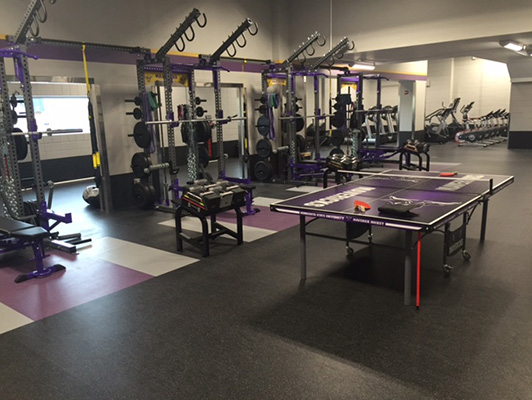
{"x":363,"y":66}
{"x":511,"y":45}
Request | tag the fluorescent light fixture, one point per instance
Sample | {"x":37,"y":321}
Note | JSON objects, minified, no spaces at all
{"x":363,"y":66}
{"x":511,"y":45}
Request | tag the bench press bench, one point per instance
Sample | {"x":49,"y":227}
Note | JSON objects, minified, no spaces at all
{"x":15,"y":235}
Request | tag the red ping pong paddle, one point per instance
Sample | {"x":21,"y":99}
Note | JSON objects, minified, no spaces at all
{"x":360,"y":205}
{"x":448,"y":174}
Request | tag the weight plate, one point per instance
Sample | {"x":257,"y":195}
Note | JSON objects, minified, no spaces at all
{"x":262,"y":109}
{"x":203,"y":154}
{"x":137,"y":113}
{"x":14,"y":117}
{"x":301,"y":143}
{"x":21,"y":145}
{"x":336,"y":151}
{"x":263,"y":125}
{"x":263,"y":170}
{"x":264,"y":148}
{"x":139,"y":163}
{"x":144,"y":195}
{"x":300,"y":123}
{"x":337,"y":120}
{"x":337,"y":137}
{"x":203,"y":131}
{"x":142,"y":135}
{"x":310,"y":131}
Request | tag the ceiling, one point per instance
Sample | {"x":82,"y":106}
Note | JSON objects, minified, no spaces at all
{"x":486,"y":48}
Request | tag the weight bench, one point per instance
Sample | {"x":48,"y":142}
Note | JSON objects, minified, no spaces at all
{"x":17,"y":235}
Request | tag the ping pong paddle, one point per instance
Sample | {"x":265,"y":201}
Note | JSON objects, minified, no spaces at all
{"x":361,"y":206}
{"x":448,"y":174}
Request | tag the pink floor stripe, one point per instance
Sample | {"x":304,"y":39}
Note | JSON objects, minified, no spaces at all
{"x":85,"y":279}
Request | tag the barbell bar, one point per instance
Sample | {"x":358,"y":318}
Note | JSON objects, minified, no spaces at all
{"x":169,"y":122}
{"x":49,"y":133}
{"x":308,"y":116}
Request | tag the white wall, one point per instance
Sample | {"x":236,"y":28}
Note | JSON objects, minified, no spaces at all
{"x":382,"y":24}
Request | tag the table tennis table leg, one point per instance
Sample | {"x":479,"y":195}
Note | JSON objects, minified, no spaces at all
{"x":484,"y":220}
{"x":408,"y":267}
{"x":303,"y":247}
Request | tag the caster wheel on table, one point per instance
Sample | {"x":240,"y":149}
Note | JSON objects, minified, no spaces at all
{"x":466,"y":255}
{"x":447,"y":270}
{"x":350,"y":253}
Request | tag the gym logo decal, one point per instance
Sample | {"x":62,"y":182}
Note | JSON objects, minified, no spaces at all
{"x":339,"y":197}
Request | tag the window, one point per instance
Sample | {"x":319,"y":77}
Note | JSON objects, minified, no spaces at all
{"x":57,"y":113}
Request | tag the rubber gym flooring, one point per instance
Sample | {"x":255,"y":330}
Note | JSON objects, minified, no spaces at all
{"x":132,"y":319}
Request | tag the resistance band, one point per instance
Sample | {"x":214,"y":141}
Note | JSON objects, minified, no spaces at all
{"x":94,"y":141}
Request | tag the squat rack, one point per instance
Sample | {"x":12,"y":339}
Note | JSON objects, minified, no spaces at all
{"x":161,"y":63}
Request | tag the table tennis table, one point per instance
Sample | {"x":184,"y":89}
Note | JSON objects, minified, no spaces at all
{"x":435,"y":202}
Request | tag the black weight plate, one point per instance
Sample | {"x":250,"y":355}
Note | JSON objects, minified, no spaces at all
{"x":263,"y":125}
{"x":200,"y":111}
{"x":21,"y":145}
{"x":337,"y":120}
{"x":142,"y":135}
{"x":310,"y":131}
{"x":137,"y":113}
{"x":14,"y":117}
{"x":263,"y":170}
{"x":337,"y":137}
{"x":300,"y":123}
{"x":203,"y":154}
{"x":301,"y":143}
{"x":336,"y":150}
{"x":262,"y":109}
{"x":144,"y":195}
{"x":139,"y":163}
{"x":203,"y":131}
{"x":264,"y":148}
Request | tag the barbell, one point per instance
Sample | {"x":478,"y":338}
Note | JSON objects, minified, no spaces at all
{"x":48,"y":132}
{"x":220,"y":120}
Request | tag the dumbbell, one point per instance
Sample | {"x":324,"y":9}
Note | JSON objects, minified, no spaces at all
{"x":142,"y":166}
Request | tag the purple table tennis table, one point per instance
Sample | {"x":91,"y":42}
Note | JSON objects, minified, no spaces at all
{"x":436,"y":201}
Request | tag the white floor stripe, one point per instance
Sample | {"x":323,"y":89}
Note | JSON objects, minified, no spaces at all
{"x":138,"y":257}
{"x":193,"y":224}
{"x":264,"y":201}
{"x":304,"y":189}
{"x":11,"y":319}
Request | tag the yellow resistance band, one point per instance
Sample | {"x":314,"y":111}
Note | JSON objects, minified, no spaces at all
{"x":96,"y":155}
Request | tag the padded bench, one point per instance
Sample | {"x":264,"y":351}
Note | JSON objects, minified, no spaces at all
{"x":17,"y":235}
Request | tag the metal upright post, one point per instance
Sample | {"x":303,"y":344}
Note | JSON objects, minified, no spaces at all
{"x":10,"y":179}
{"x":193,"y":156}
{"x":168,"y":83}
{"x":290,"y":100}
{"x":21,"y":64}
{"x":219,"y":126}
{"x":317,"y":112}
